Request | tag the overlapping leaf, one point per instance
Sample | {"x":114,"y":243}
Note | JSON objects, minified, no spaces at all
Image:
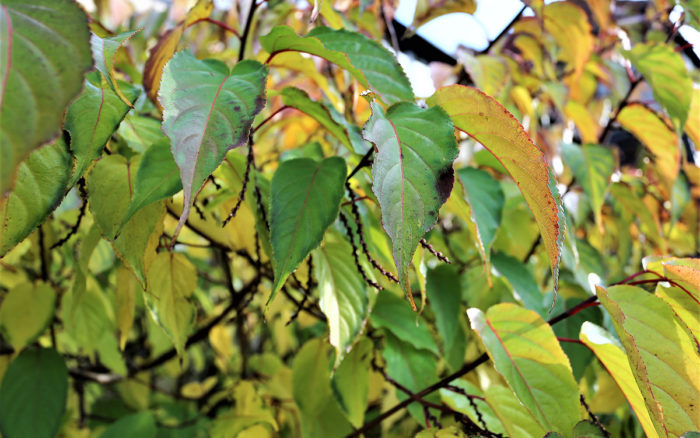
{"x":207,"y":110}
{"x":412,"y":174}
{"x":19,"y":326}
{"x":46,"y":51}
{"x":662,"y":355}
{"x":525,"y":288}
{"x":494,"y":127}
{"x":516,"y":419}
{"x":350,"y":382}
{"x":526,"y":352}
{"x":305,"y":200}
{"x":390,"y":312}
{"x":103,"y":52}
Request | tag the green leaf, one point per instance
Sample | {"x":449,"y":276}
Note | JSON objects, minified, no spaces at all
{"x":140,"y":132}
{"x":516,"y":419}
{"x":157,"y":178}
{"x":92,"y":119}
{"x":412,"y":174}
{"x":311,"y":388}
{"x":343,"y":294}
{"x":664,"y":70}
{"x":138,"y":425}
{"x":662,"y":354}
{"x":593,"y":166}
{"x":103,"y":51}
{"x":207,"y":110}
{"x":526,"y":352}
{"x":588,"y":429}
{"x":85,"y":310}
{"x":42,"y":178}
{"x":305,"y":200}
{"x":45,"y":47}
{"x":298,"y":99}
{"x":20,"y":326}
{"x":525,"y":288}
{"x":249,"y":410}
{"x":411,"y":367}
{"x":462,"y":404}
{"x":485,"y":197}
{"x":391,"y":313}
{"x":444,"y":291}
{"x":350,"y":382}
{"x":172,"y":279}
{"x":367,"y":61}
{"x":608,"y":350}
{"x":33,"y":394}
{"x":497,"y":130}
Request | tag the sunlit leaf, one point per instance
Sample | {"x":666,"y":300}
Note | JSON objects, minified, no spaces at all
{"x":526,"y":352}
{"x":494,"y":127}
{"x":568,"y":24}
{"x":45,"y":49}
{"x":207,"y":110}
{"x":485,"y":416}
{"x":427,"y":10}
{"x":412,"y":173}
{"x":662,"y":355}
{"x":516,"y":419}
{"x":20,"y":326}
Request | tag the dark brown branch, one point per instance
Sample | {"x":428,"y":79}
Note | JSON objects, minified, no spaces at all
{"x":246,"y":29}
{"x":504,"y":31}
{"x":81,"y":214}
{"x":306,"y":291}
{"x":593,"y":417}
{"x":424,"y":243}
{"x":222,"y":25}
{"x":360,"y":269}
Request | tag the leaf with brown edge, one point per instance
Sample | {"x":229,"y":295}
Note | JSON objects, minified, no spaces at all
{"x":166,"y":47}
{"x":489,"y":123}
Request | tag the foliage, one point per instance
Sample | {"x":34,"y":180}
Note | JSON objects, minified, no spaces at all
{"x":244,"y":223}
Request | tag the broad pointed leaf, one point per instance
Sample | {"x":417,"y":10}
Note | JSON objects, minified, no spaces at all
{"x":662,"y":354}
{"x":92,"y":119}
{"x":526,"y":352}
{"x":343,"y":294}
{"x":350,"y":382}
{"x":412,"y":174}
{"x":593,"y":166}
{"x":42,"y":178}
{"x":366,"y":60}
{"x":44,"y":51}
{"x":172,"y":279}
{"x":391,"y":313}
{"x":103,"y":51}
{"x":305,"y":200}
{"x":33,"y":394}
{"x":19,"y":325}
{"x":664,"y":70}
{"x":608,"y":350}
{"x":497,"y":130}
{"x":207,"y":110}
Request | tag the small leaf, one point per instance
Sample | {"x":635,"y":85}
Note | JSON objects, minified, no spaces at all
{"x":593,"y":166}
{"x":166,"y":46}
{"x":665,"y":72}
{"x":568,"y":24}
{"x":20,"y":326}
{"x":445,"y":294}
{"x":497,"y":130}
{"x":366,"y":60}
{"x":526,"y":352}
{"x":92,"y":119}
{"x":305,"y":200}
{"x":207,"y":110}
{"x":662,"y":355}
{"x":412,"y":174}
{"x":350,"y":382}
{"x":103,"y":51}
{"x":390,"y":312}
{"x":47,"y":51}
{"x":608,"y":350}
{"x":140,"y":424}
{"x":172,"y":280}
{"x":42,"y":178}
{"x":33,"y":394}
{"x":343,"y":294}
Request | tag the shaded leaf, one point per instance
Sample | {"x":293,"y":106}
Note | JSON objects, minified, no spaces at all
{"x":526,"y":352}
{"x":140,"y":424}
{"x":21,"y":327}
{"x":42,"y":178}
{"x":125,"y":305}
{"x":305,"y":200}
{"x":46,"y":50}
{"x":443,"y":288}
{"x":412,"y":174}
{"x":350,"y":382}
{"x":497,"y":130}
{"x":525,"y":288}
{"x":207,"y":110}
{"x":391,"y":313}
{"x":249,"y":410}
{"x":103,"y":52}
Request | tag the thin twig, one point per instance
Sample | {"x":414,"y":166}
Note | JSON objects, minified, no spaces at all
{"x":360,"y":269}
{"x":246,"y":178}
{"x":424,"y":243}
{"x":81,"y":214}
{"x":222,"y":25}
{"x":306,"y":291}
{"x":593,"y":417}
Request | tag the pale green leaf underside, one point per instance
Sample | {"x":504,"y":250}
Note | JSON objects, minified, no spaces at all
{"x":593,"y":166}
{"x":391,"y":313}
{"x":485,"y":197}
{"x":103,"y":51}
{"x":44,"y":52}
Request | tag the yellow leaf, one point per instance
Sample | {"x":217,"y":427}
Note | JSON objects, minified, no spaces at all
{"x":692,"y":125}
{"x":20,"y":324}
{"x":583,"y":120}
{"x":658,"y":137}
{"x":569,"y":26}
{"x":497,"y":130}
{"x":126,"y":303}
{"x":427,"y":10}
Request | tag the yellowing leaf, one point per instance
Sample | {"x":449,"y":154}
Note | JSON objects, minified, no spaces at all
{"x":662,"y":355}
{"x":611,"y":355}
{"x":692,"y":127}
{"x":249,"y":410}
{"x":427,"y":10}
{"x":659,"y":138}
{"x":526,"y":352}
{"x":584,"y":121}
{"x":125,"y":303}
{"x":167,"y":46}
{"x":516,"y":419}
{"x":569,"y":26}
{"x":497,"y":130}
{"x":172,"y":279}
{"x":21,"y":325}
